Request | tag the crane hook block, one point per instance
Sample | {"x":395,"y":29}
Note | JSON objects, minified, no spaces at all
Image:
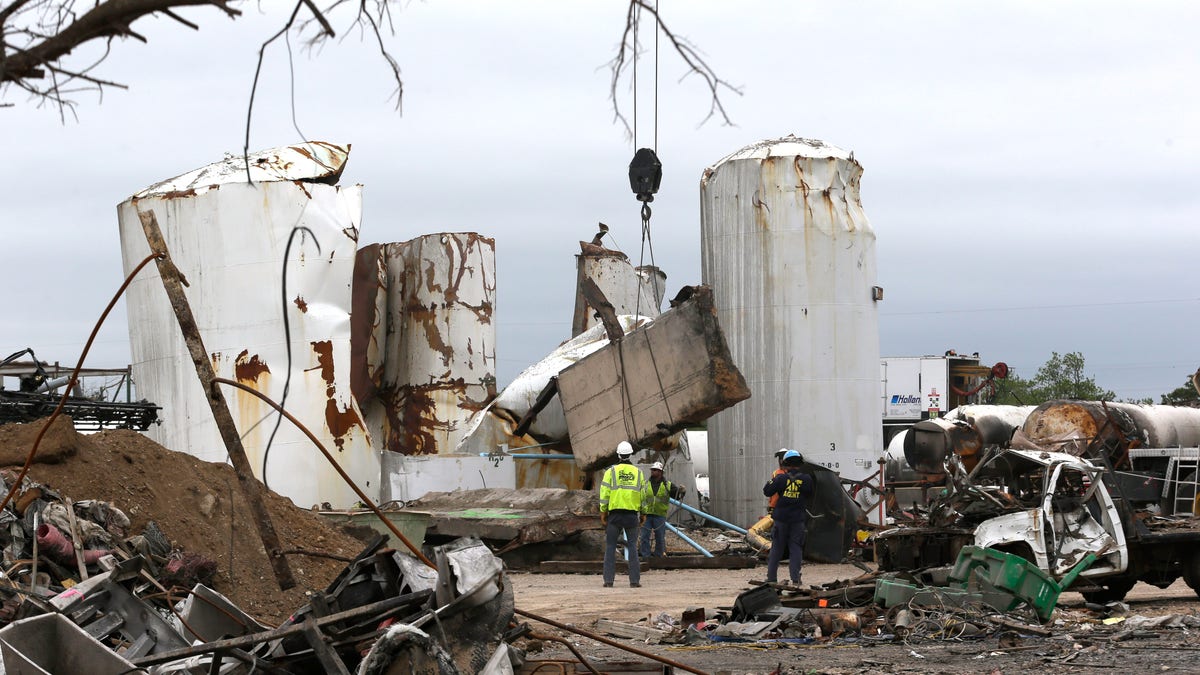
{"x":645,"y":174}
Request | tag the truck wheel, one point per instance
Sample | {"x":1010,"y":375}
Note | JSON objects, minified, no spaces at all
{"x":1191,"y":572}
{"x":1113,"y":591}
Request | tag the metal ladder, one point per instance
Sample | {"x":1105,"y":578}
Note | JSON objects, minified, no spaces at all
{"x":1186,"y":477}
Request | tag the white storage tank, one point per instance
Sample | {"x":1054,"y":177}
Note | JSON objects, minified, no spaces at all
{"x":790,"y":256}
{"x":229,"y":238}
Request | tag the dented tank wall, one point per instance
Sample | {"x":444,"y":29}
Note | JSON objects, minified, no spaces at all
{"x":439,"y":353}
{"x":228,"y":238}
{"x":629,"y":290}
{"x":790,"y":256}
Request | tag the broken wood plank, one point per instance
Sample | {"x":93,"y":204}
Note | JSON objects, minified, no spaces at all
{"x":728,"y":562}
{"x":629,"y":630}
{"x":252,"y":489}
{"x":76,"y":540}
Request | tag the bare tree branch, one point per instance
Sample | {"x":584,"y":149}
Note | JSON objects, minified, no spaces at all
{"x":629,"y":49}
{"x":36,"y":35}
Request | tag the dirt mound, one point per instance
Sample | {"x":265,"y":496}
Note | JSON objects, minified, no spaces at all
{"x":199,"y":506}
{"x":60,"y":442}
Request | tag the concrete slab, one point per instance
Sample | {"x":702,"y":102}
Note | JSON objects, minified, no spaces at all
{"x":656,"y":381}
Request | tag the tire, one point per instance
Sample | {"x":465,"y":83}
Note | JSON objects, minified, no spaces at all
{"x":1191,"y":573}
{"x":1113,"y":591}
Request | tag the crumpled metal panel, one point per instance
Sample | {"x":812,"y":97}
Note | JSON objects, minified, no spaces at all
{"x":313,"y":162}
{"x":790,"y":255}
{"x":228,"y":238}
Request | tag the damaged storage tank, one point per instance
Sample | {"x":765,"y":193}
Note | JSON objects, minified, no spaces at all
{"x":790,"y":255}
{"x":263,"y":259}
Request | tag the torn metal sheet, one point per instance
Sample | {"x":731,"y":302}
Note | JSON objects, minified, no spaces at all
{"x":229,"y":239}
{"x":659,"y":379}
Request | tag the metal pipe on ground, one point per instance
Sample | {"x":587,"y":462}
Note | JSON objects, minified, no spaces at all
{"x":336,"y":467}
{"x":610,"y":643}
{"x":708,"y":516}
{"x":689,"y":540}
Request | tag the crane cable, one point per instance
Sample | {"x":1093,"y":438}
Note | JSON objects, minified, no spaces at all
{"x":645,"y":176}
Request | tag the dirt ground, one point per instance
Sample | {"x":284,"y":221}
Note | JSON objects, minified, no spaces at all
{"x":580,"y":600}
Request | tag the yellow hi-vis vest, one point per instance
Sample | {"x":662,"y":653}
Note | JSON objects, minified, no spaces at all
{"x":658,"y":502}
{"x":621,"y":488}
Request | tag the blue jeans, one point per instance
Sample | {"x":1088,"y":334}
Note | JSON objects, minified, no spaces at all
{"x":656,"y":525}
{"x":618,"y":523}
{"x":786,"y":537}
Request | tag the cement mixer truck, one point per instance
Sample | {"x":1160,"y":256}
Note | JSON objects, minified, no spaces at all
{"x":1073,"y":478}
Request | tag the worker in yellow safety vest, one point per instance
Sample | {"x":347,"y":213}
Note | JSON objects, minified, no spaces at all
{"x":621,"y":512}
{"x":657,"y":502}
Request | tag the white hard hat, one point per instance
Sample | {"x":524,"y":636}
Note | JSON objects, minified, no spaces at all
{"x":624,"y":449}
{"x":656,"y":465}
{"x":780,"y":453}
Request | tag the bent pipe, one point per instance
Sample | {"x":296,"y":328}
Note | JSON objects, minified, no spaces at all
{"x":56,"y":545}
{"x":336,"y":467}
{"x":610,"y":643}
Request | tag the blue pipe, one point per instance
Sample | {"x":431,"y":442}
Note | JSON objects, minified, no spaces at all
{"x":708,"y":516}
{"x":688,"y":539}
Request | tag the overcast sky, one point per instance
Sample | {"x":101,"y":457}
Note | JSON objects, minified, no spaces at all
{"x":1032,"y":170}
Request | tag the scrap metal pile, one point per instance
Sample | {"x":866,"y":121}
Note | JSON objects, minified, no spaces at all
{"x":387,"y":612}
{"x":884,"y":609}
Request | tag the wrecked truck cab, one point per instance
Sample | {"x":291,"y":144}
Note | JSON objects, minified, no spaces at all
{"x":1071,"y":518}
{"x":1045,"y":506}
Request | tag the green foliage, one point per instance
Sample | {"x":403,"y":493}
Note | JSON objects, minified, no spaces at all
{"x":1060,"y":377}
{"x":1015,"y":390}
{"x":1185,"y":395}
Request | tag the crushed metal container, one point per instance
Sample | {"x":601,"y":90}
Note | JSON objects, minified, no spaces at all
{"x":51,"y":644}
{"x":657,"y":380}
{"x":1014,"y":574}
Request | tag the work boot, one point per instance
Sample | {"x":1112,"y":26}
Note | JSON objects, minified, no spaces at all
{"x":634,"y":584}
{"x":608,"y":584}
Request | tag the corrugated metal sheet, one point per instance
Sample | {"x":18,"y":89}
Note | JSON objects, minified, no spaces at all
{"x":228,"y":237}
{"x":790,"y":255}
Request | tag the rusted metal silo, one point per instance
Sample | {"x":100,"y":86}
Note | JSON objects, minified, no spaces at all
{"x":790,"y":255}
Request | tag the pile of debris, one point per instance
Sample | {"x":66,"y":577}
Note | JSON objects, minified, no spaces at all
{"x":196,"y":505}
{"x":373,"y":619}
{"x":994,"y":599}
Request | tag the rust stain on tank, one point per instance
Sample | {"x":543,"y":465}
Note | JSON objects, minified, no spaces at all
{"x":1063,"y":418}
{"x":248,"y":368}
{"x":338,"y":420}
{"x":301,"y":304}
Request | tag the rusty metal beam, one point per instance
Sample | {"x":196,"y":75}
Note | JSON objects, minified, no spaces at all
{"x":604,"y":309}
{"x":173,"y":282}
{"x":543,"y":400}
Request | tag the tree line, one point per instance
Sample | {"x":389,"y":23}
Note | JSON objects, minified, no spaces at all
{"x":1063,"y":376}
